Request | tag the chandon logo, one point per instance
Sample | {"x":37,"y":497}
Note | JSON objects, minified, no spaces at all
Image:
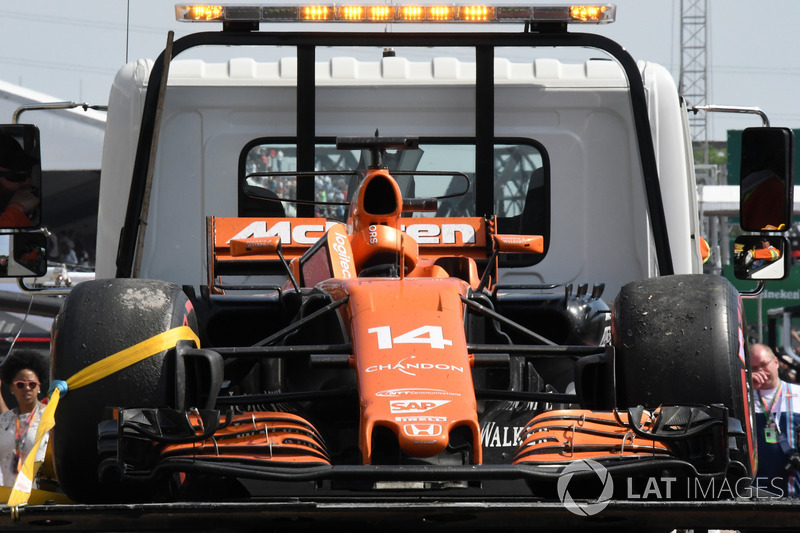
{"x":411,"y":368}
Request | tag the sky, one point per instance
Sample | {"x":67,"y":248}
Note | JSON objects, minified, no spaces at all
{"x":72,"y":50}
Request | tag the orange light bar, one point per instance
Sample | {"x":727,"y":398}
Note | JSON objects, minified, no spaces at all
{"x":410,"y":13}
{"x":316,"y":13}
{"x":587,"y":13}
{"x":396,"y":13}
{"x":441,"y":13}
{"x":380,"y":13}
{"x":353,"y":13}
{"x":203,"y":13}
{"x":476,"y":13}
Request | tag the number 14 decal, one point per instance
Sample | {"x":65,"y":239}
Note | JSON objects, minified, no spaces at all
{"x":432,"y":335}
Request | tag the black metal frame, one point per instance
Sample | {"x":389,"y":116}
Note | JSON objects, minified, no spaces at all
{"x":407,"y":513}
{"x":484,"y":45}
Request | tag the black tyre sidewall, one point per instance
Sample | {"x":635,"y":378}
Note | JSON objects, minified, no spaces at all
{"x":680,"y":340}
{"x":100,"y":318}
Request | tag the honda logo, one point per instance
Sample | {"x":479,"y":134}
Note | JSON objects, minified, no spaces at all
{"x":422,"y":430}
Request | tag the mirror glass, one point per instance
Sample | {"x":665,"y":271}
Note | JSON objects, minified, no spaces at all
{"x":766,"y":179}
{"x":20,"y":176}
{"x":761,"y":257}
{"x":23,"y":254}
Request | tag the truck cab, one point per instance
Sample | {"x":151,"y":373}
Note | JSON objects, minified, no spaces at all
{"x":605,"y":154}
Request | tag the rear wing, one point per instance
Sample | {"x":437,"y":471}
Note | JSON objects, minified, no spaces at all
{"x":436,"y":237}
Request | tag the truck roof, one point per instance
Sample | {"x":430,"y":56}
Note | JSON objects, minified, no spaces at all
{"x":341,"y":70}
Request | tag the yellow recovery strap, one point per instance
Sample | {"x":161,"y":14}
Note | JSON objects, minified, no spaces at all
{"x":21,"y":492}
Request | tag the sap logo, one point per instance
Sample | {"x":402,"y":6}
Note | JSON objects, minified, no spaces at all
{"x":415,"y":406}
{"x":422,"y":430}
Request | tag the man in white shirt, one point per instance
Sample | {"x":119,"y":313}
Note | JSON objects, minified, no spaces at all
{"x":777,"y":405}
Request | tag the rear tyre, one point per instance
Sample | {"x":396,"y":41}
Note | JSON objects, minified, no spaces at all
{"x":680,"y":340}
{"x":100,"y":318}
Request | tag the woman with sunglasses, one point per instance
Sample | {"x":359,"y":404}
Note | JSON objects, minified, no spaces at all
{"x":24,"y":371}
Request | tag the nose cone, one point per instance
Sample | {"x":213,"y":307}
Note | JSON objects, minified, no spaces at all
{"x":423,"y":439}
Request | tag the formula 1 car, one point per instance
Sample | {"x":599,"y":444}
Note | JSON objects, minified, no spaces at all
{"x":391,"y":359}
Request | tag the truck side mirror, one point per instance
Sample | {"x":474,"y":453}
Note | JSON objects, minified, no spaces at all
{"x":20,"y":176}
{"x":767,"y":174}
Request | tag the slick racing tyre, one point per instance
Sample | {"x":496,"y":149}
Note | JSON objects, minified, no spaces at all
{"x":679,"y":341}
{"x":100,"y":318}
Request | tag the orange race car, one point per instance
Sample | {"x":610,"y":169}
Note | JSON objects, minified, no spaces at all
{"x":390,"y":359}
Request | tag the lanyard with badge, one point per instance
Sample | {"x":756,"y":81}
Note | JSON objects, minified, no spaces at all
{"x":772,"y":432}
{"x":773,"y":429}
{"x":20,"y":436}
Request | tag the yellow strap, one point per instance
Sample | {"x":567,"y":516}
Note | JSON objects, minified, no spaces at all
{"x":94,"y":372}
{"x":38,"y":496}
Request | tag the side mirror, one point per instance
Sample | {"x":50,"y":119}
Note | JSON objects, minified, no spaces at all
{"x":760,"y":257}
{"x":20,"y":176}
{"x":767,"y":174}
{"x":23,"y":254}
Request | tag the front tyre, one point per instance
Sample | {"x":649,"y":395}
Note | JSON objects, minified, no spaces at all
{"x":100,"y":318}
{"x":680,"y":340}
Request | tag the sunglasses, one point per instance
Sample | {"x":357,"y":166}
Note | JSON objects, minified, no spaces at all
{"x":23,"y":384}
{"x":764,"y":365}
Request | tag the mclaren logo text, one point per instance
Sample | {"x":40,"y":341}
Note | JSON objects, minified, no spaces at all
{"x":290,"y":233}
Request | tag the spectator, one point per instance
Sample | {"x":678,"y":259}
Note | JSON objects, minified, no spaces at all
{"x":25,"y":371}
{"x":66,"y":250}
{"x":777,"y":405}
